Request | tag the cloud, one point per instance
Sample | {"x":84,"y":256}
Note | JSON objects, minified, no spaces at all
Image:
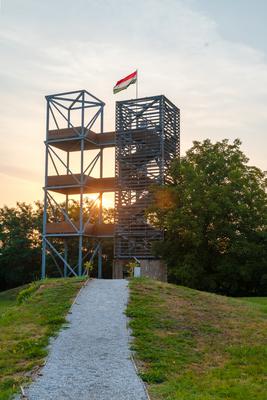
{"x":20,"y":173}
{"x":220,"y":85}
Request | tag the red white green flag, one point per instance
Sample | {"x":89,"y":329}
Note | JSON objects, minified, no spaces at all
{"x":125,"y":82}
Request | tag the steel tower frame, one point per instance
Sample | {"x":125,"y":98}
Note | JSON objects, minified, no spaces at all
{"x":147,"y":139}
{"x":62,"y":110}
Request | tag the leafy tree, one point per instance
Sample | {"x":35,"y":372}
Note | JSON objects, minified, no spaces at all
{"x":215,"y":218}
{"x":20,"y":240}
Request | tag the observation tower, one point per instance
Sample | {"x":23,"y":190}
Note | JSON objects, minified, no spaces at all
{"x":146,"y":139}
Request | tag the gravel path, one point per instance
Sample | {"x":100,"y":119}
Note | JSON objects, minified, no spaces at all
{"x":91,"y":359}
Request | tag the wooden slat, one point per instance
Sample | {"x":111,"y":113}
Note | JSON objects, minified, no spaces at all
{"x":91,"y":185}
{"x":93,"y":140}
{"x":94,"y":230}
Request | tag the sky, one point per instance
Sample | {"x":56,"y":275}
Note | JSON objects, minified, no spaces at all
{"x":209,"y":57}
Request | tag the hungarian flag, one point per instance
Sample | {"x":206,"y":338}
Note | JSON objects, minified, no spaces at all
{"x":125,"y":82}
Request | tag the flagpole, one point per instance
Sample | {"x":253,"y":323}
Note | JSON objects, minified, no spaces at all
{"x":136,"y":84}
{"x":136,"y":87}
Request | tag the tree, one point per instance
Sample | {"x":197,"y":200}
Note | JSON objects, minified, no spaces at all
{"x":20,"y":238}
{"x":215,"y":217}
{"x":21,"y":247}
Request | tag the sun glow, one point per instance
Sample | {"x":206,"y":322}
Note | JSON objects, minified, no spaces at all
{"x":107,"y":199}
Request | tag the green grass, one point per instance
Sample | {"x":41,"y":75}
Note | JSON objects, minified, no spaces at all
{"x":8,"y":298}
{"x":193,"y":345}
{"x":257,"y":301}
{"x":29,"y":316}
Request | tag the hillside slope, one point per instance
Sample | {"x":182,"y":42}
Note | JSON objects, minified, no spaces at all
{"x":193,"y":345}
{"x":28,"y":317}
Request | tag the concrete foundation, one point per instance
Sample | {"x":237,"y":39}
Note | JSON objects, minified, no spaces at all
{"x":155,"y":269}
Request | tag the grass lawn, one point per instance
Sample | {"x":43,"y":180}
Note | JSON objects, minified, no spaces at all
{"x":193,"y":345}
{"x":256,"y":300}
{"x":9,"y":298}
{"x":25,"y":328}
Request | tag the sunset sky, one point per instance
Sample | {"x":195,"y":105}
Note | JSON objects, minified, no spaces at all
{"x":209,"y":57}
